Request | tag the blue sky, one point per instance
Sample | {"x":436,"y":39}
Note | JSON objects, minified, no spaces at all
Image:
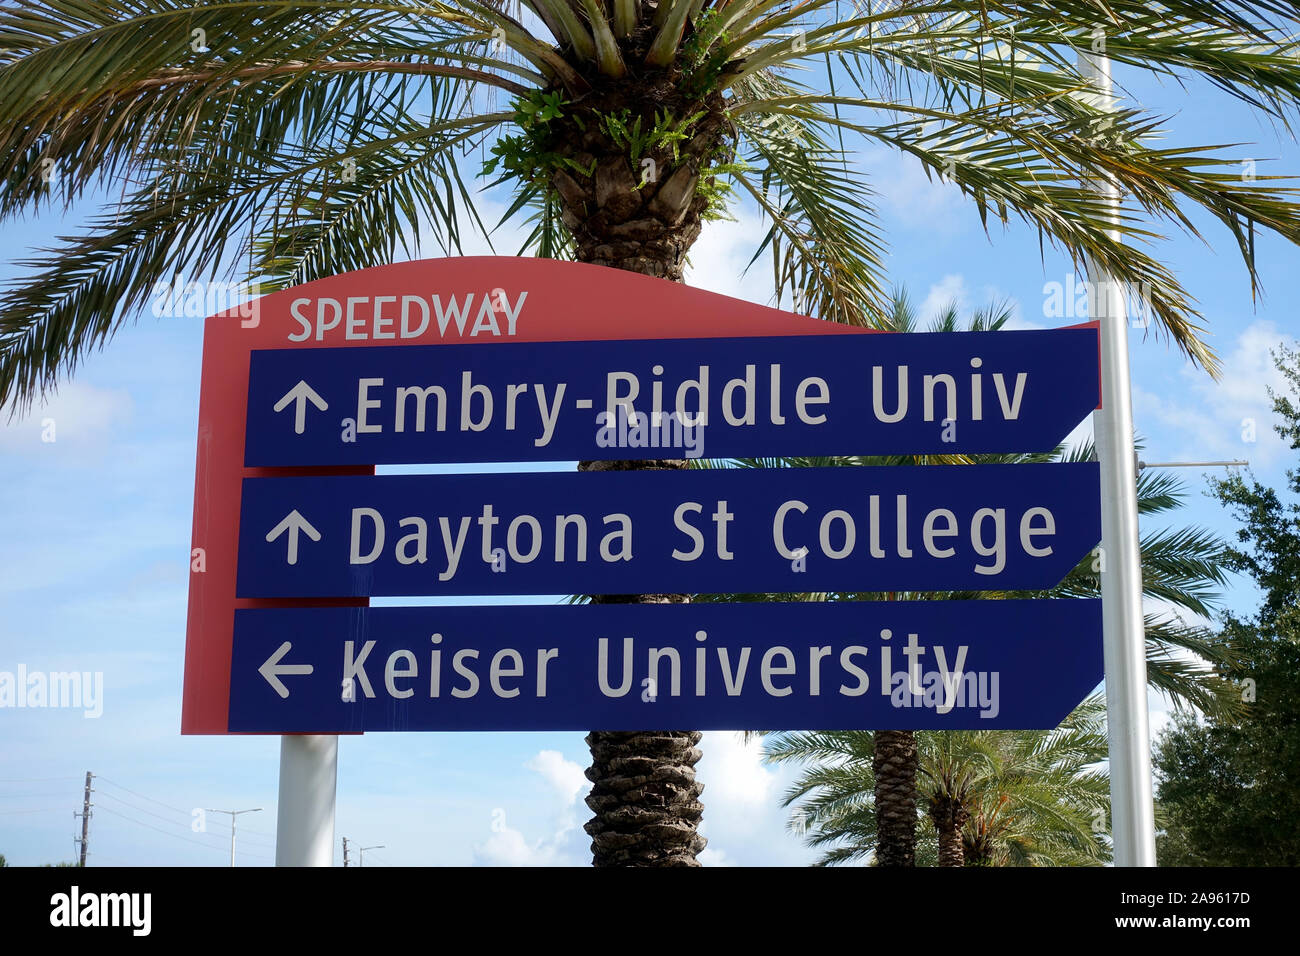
{"x":95,"y":546}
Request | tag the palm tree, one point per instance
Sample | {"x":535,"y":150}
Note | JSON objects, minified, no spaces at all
{"x":292,"y":139}
{"x":1180,"y":567}
{"x":993,"y":797}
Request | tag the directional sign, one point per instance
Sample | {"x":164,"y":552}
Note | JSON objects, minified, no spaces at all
{"x":671,"y":398}
{"x":928,"y":528}
{"x":483,"y":359}
{"x":879,"y":665}
{"x":529,"y":301}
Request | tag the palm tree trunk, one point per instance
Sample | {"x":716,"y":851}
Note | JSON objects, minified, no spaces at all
{"x":949,"y":818}
{"x":645,"y":798}
{"x":644,"y":795}
{"x":950,"y":846}
{"x":894,"y":764}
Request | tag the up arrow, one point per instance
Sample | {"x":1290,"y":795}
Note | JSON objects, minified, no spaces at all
{"x":272,"y":669}
{"x":301,"y":394}
{"x":293,"y":523}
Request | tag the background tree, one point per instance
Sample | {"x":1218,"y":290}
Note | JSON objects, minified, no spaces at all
{"x":1230,"y":783}
{"x":990,"y":797}
{"x":293,"y":140}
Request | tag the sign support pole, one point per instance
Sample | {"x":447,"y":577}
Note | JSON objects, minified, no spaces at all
{"x":304,"y":832}
{"x":1123,"y":628}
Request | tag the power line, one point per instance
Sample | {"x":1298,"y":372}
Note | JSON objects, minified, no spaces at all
{"x":257,"y":838}
{"x":201,"y":834}
{"x":183,"y":812}
{"x":158,"y":816}
{"x":142,"y":796}
{"x":175,"y":836}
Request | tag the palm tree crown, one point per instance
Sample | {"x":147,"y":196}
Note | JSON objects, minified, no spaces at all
{"x":299,"y":139}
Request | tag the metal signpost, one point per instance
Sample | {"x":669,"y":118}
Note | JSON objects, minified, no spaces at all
{"x":1124,"y":628}
{"x":521,"y":360}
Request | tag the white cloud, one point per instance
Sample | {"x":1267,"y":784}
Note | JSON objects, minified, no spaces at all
{"x":1017,"y":322}
{"x":720,"y":255}
{"x":951,"y":288}
{"x":564,"y":775}
{"x":744,"y":821}
{"x":508,"y":846}
{"x":713,"y":857}
{"x":913,"y":199}
{"x":78,"y":416}
{"x":1221,"y":423}
{"x":734,"y":775}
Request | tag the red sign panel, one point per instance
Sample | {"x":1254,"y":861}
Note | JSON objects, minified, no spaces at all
{"x":496,"y":300}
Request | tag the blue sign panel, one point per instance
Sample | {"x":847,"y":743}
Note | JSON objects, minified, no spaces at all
{"x":922,"y":393}
{"x":954,"y":665}
{"x":928,"y":528}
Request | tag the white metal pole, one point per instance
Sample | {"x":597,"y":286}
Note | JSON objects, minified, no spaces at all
{"x":234,"y":815}
{"x":1132,"y":820}
{"x":304,"y":833}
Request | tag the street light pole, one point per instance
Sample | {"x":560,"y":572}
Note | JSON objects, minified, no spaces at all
{"x":1236,"y":463}
{"x":233,"y":814}
{"x":379,"y":846}
{"x":1123,"y":627}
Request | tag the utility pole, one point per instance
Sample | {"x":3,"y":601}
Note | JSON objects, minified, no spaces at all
{"x":84,"y":842}
{"x":365,"y":848}
{"x":233,"y":814}
{"x":345,"y":852}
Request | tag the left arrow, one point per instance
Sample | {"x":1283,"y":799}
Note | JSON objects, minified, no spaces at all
{"x":293,"y":523}
{"x":272,"y":669}
{"x":301,"y":394}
